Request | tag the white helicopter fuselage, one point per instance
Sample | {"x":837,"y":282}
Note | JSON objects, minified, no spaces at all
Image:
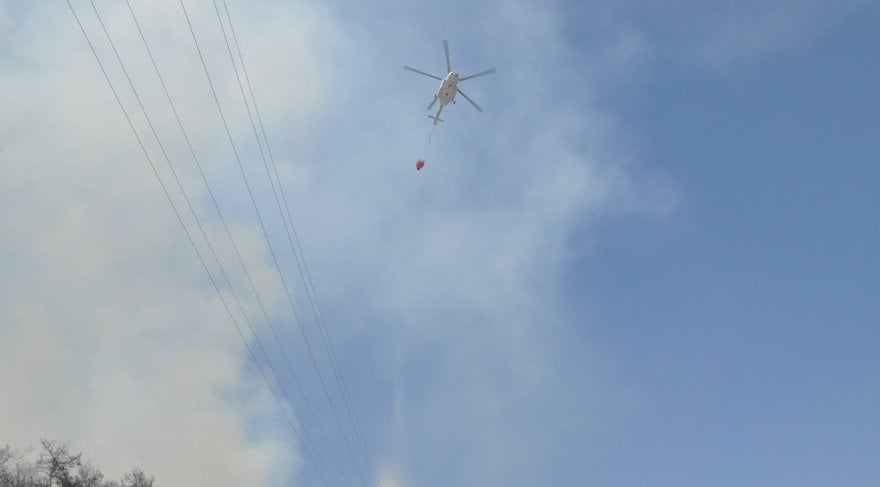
{"x":448,"y":89}
{"x":446,"y":94}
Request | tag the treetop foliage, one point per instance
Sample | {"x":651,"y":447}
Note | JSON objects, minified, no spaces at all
{"x":57,"y":466}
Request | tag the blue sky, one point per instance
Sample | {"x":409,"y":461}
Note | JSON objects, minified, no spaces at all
{"x":650,"y":261}
{"x":749,"y":318}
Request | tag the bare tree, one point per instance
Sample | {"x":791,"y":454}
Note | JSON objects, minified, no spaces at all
{"x":15,"y":471}
{"x":5,"y":455}
{"x":89,"y":476}
{"x":57,"y":467}
{"x":58,"y":463}
{"x":137,"y":478}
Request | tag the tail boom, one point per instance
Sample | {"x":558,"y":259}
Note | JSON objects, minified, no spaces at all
{"x":436,"y":117}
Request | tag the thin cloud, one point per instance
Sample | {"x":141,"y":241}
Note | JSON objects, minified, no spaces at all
{"x":443,"y":287}
{"x":757,"y":29}
{"x":112,"y":337}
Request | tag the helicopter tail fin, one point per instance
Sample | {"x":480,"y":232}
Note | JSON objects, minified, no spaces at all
{"x":436,"y":117}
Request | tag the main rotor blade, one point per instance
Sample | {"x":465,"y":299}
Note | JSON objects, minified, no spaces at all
{"x":432,"y":103}
{"x":446,"y":51}
{"x":422,"y":72}
{"x":488,"y":71}
{"x":468,"y":99}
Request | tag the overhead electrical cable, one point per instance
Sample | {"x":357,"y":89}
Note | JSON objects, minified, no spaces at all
{"x":234,"y":245}
{"x":262,"y":221}
{"x":260,"y":217}
{"x":195,"y":247}
{"x":211,"y":247}
{"x":201,"y":228}
{"x":281,"y":213}
{"x":293,"y":238}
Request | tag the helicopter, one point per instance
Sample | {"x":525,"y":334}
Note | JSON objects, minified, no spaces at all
{"x":449,"y":86}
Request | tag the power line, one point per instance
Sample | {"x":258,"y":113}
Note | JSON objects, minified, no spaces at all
{"x":304,"y":275}
{"x":213,"y":253}
{"x":232,"y":240}
{"x":281,"y":212}
{"x":197,"y":220}
{"x":303,"y":269}
{"x":190,"y":237}
{"x":260,"y":217}
{"x":263,"y":227}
